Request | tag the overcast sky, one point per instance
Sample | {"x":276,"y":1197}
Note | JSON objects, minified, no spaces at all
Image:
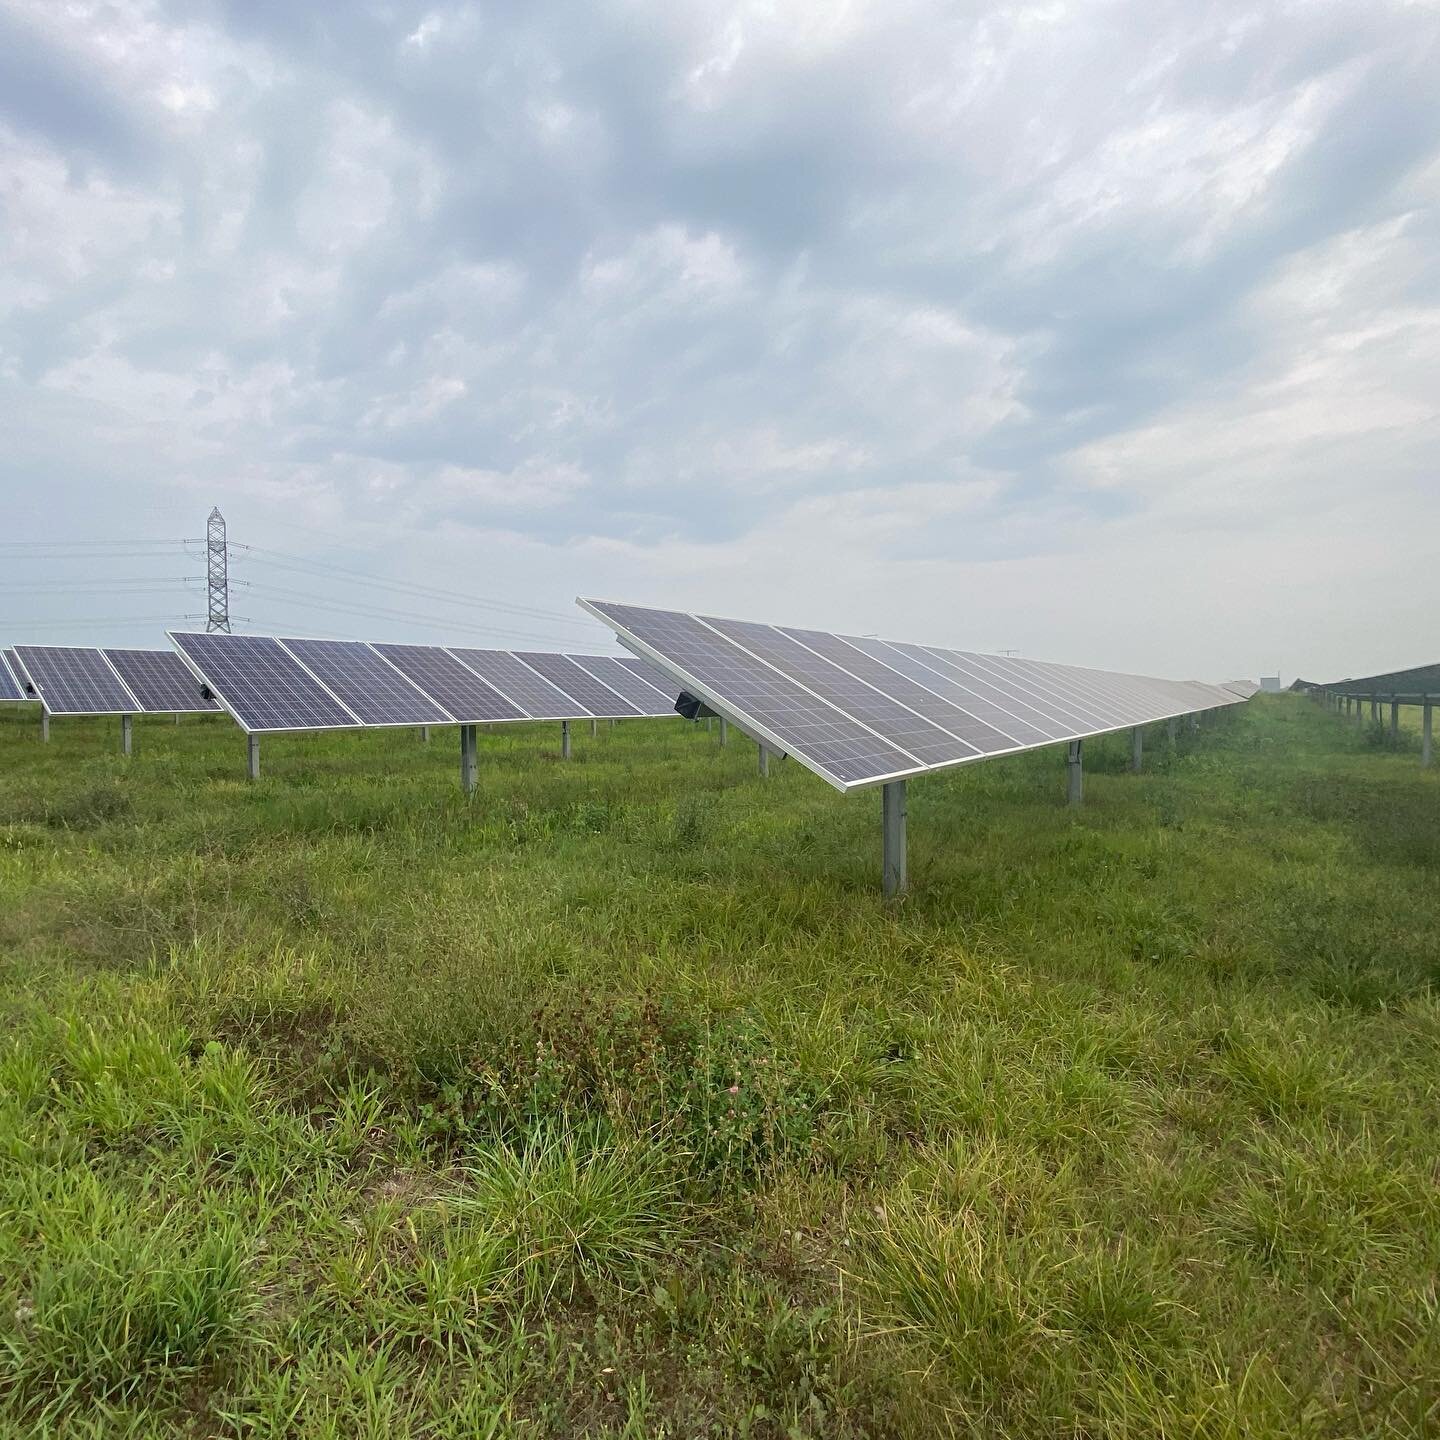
{"x":1107,"y":332}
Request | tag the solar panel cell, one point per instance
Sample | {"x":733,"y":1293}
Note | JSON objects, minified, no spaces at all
{"x":368,"y":685}
{"x":161,"y":681}
{"x":72,"y":680}
{"x":459,"y":689}
{"x":262,"y":685}
{"x":580,"y":686}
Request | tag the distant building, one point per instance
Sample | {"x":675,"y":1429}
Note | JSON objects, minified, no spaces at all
{"x":1270,"y":683}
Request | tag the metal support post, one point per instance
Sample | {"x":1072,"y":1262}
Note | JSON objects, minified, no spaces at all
{"x":1194,"y":722}
{"x":1172,"y":728}
{"x":126,"y":734}
{"x":1075,"y":776}
{"x":44,"y":727}
{"x":893,"y":809}
{"x":724,"y":732}
{"x":1359,"y":714}
{"x":468,"y":759}
{"x":1374,"y":711}
{"x":594,"y":728}
{"x":564,"y":739}
{"x":252,"y":757}
{"x":764,"y":759}
{"x":1427,"y":734}
{"x":1137,"y":749}
{"x":424,"y":734}
{"x":1394,"y":722}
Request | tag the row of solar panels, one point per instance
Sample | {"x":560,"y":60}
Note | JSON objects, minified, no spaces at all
{"x":273,"y":684}
{"x":75,"y":680}
{"x":269,"y":683}
{"x":862,"y":711}
{"x":1420,"y":682}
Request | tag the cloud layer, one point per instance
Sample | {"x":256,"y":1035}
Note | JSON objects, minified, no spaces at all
{"x":1107,"y":331}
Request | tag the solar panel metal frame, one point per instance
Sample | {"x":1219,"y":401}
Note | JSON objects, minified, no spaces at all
{"x":1169,"y":698}
{"x":355,"y":722}
{"x":111,"y":651}
{"x":135,"y":708}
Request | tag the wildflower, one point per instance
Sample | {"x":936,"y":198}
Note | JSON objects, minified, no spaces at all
{"x":734,"y":1089}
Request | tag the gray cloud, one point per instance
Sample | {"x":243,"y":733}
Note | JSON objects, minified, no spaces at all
{"x":867,"y":313}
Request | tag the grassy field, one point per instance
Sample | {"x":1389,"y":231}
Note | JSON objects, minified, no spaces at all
{"x":617,"y":1102}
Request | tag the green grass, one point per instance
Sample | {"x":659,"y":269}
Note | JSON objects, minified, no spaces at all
{"x":617,"y":1102}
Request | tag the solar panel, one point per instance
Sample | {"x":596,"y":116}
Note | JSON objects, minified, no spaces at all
{"x":933,"y":705}
{"x":861,"y":711}
{"x":535,"y":695}
{"x":459,"y":689}
{"x":261,"y":684}
{"x":10,"y":687}
{"x":580,"y":686}
{"x":789,"y":717}
{"x":75,"y":680}
{"x":367,"y":684}
{"x":640,"y":693}
{"x":161,"y":681}
{"x":891,"y":719}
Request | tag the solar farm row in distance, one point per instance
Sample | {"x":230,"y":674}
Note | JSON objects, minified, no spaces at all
{"x":83,"y":680}
{"x":274,"y":683}
{"x":860,"y":711}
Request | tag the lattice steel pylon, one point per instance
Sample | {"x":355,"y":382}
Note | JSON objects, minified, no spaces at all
{"x":217,"y":575}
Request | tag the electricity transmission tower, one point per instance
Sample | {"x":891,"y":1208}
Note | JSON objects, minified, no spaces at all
{"x":217,"y":574}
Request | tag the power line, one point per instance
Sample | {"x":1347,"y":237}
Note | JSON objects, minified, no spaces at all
{"x":110,"y":623}
{"x":282,"y":561}
{"x":378,"y":612}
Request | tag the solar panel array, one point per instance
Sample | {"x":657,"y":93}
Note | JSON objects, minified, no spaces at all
{"x":84,"y":680}
{"x":860,"y":711}
{"x":274,"y":683}
{"x":1418,"y":683}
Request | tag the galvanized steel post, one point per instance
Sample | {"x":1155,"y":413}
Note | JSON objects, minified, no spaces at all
{"x":252,"y":757}
{"x":564,"y":739}
{"x":893,"y":811}
{"x":125,"y":735}
{"x":1074,"y":771}
{"x":1137,"y":749}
